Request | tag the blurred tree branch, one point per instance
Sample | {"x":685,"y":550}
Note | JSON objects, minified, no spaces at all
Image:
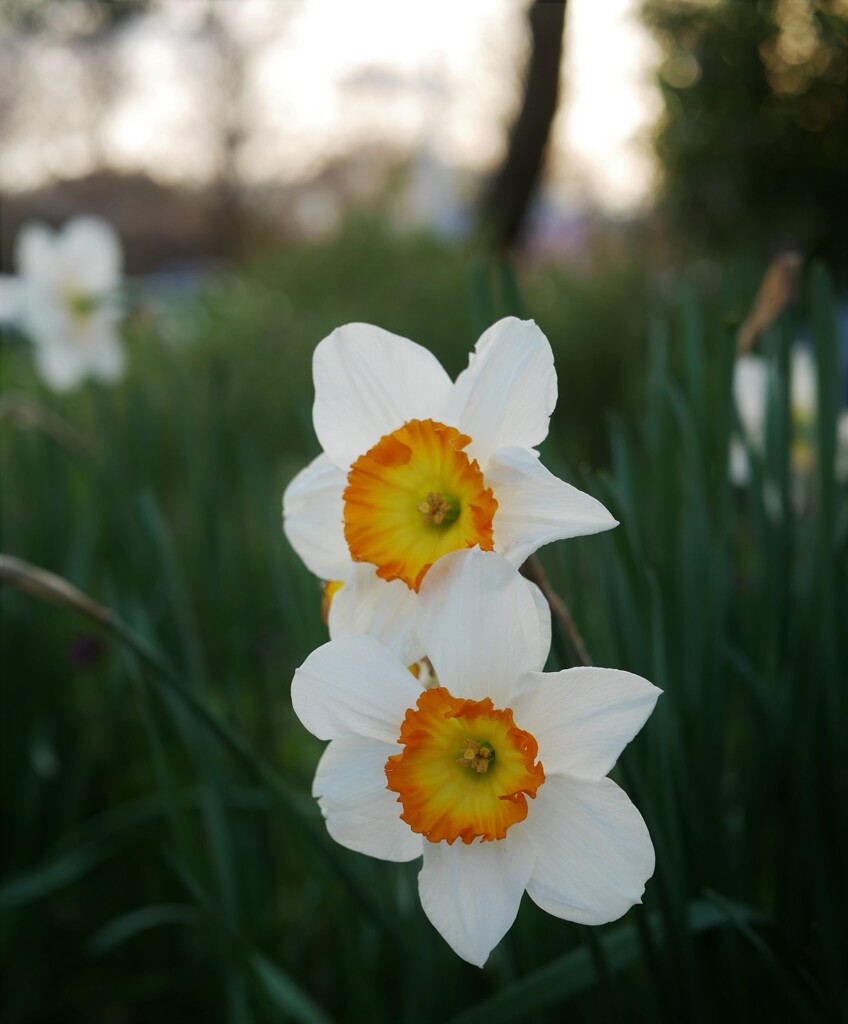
{"x":507,"y":196}
{"x":229,"y":115}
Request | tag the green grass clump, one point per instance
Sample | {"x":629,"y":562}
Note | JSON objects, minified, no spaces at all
{"x":163,"y":859}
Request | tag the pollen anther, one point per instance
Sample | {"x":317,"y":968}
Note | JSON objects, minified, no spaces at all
{"x":436,"y":509}
{"x":477,"y":756}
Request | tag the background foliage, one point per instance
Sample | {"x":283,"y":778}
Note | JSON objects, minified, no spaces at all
{"x":752,"y":141}
{"x":166,"y":861}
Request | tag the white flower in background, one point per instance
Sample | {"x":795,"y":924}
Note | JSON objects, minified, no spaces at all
{"x":497,"y":776}
{"x":842,"y":447}
{"x":751,"y":377}
{"x":415,"y":466}
{"x":65,"y":299}
{"x":750,"y":394}
{"x":10,"y":299}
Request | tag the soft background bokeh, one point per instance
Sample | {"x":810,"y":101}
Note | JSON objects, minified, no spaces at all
{"x":276,"y":169}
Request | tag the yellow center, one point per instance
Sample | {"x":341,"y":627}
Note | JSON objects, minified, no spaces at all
{"x":414,"y":497}
{"x":466,"y":769}
{"x":802,"y":446}
{"x":81,"y":306}
{"x":436,"y":509}
{"x":477,"y":756}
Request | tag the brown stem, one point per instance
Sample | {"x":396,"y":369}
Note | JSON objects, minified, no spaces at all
{"x":533,"y":571}
{"x":51,"y":588}
{"x":28,"y":415}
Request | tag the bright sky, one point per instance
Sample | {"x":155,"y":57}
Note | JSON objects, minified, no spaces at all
{"x":323,"y":76}
{"x":603,"y":133}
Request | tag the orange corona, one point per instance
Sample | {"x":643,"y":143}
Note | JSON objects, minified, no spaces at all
{"x":466,"y":770}
{"x":414,"y":497}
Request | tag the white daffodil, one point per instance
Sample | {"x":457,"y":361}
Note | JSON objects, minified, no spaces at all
{"x":415,"y":465}
{"x":65,"y":299}
{"x":750,"y":393}
{"x":842,"y":446}
{"x":10,"y":299}
{"x":497,"y":776}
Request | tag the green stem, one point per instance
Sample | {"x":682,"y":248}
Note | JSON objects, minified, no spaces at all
{"x":57,"y":591}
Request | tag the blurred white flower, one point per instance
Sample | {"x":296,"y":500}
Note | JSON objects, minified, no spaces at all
{"x":497,"y":776}
{"x":842,"y":446}
{"x":751,"y":394}
{"x":10,"y":299}
{"x":416,"y":465}
{"x":65,"y":298}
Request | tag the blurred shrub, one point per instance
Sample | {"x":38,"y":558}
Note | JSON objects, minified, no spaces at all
{"x":752,"y":143}
{"x":259,"y":326}
{"x":164,"y":860}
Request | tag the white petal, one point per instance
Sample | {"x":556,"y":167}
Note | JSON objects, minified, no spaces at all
{"x":737,"y":465}
{"x":369,"y":382}
{"x":750,"y":385}
{"x":98,"y":340}
{"x":362,"y":814}
{"x":312,"y":519}
{"x":535,"y":507}
{"x":11,"y":298}
{"x":472,"y":893}
{"x":480,"y":625}
{"x":804,"y":387}
{"x":387,"y":611}
{"x":43,"y":316}
{"x":59,"y":365}
{"x":593,"y":851}
{"x":583,"y":718}
{"x":353,"y":686}
{"x":35,"y":252}
{"x":841,"y":467}
{"x":91,"y":254}
{"x":544,"y":612}
{"x":107,"y":360}
{"x":509,"y":390}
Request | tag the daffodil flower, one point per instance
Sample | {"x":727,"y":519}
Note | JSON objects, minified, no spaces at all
{"x":415,"y":466}
{"x":65,"y":299}
{"x":750,"y":393}
{"x":497,"y":776}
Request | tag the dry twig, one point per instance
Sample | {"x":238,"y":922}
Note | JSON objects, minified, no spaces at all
{"x":534,"y":572}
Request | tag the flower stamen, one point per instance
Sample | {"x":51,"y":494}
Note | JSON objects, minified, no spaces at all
{"x":437,"y":509}
{"x":477,"y":756}
{"x":441,"y":799}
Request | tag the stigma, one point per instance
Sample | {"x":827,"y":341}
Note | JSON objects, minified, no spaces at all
{"x":477,"y":756}
{"x":437,"y":508}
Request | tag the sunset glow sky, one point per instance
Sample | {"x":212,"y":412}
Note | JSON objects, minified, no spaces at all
{"x":322,"y":78}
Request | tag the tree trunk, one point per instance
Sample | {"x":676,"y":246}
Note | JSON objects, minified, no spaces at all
{"x":507,"y":196}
